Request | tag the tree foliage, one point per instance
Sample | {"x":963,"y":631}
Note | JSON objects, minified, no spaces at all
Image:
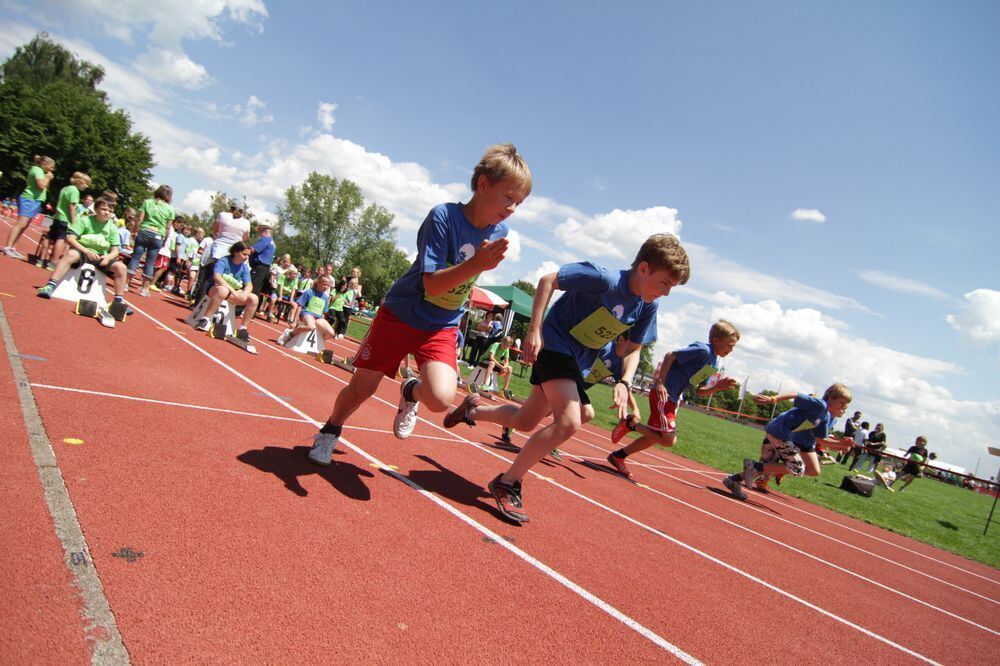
{"x":50,"y":105}
{"x":323,"y":212}
{"x":526,"y":287}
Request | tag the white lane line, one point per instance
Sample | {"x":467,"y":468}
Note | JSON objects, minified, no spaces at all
{"x":645,"y":632}
{"x":823,"y":535}
{"x":648,"y":528}
{"x":216,"y":409}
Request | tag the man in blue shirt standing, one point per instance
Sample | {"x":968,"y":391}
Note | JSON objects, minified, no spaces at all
{"x":260,"y":260}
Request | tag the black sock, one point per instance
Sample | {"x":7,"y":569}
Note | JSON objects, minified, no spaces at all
{"x":759,"y":466}
{"x":51,"y":283}
{"x":119,"y":299}
{"x":330,"y":429}
{"x":620,"y":453}
{"x":408,"y":388}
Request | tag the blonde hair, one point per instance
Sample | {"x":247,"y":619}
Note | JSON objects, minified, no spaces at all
{"x":80,"y":179}
{"x":43,"y":161}
{"x":664,"y":252}
{"x":723,"y":329}
{"x":502,"y":161}
{"x":837,"y":390}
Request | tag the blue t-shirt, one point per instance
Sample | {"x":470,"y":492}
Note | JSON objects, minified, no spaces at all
{"x":607,"y":364}
{"x":692,"y":366}
{"x":313,"y":303}
{"x":263,"y":252}
{"x":459,"y":340}
{"x":235,"y":275}
{"x":595,"y":309}
{"x":446,"y":238}
{"x":803,"y":423}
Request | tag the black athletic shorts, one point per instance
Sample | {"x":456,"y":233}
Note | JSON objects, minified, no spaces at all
{"x":83,"y":260}
{"x":553,"y":365}
{"x":58,"y":230}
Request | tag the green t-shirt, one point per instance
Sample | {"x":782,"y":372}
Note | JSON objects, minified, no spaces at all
{"x":304,"y":283}
{"x":156,"y":216}
{"x":32,"y":191}
{"x":191,"y":248}
{"x":338,"y":302}
{"x":500,"y":354}
{"x":68,"y":196}
{"x":94,"y":235}
{"x":289,"y":282}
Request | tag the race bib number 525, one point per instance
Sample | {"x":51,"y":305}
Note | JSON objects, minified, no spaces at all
{"x":598,"y":329}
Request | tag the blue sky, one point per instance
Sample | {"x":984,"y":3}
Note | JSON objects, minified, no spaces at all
{"x":832,"y":168}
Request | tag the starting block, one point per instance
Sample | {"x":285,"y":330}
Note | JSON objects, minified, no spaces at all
{"x":308,"y":342}
{"x":225,"y":315}
{"x":327,"y":356}
{"x":92,"y":309}
{"x":83,"y":283}
{"x":477,"y":377}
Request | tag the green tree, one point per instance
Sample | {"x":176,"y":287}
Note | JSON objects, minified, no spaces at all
{"x":318,"y":218}
{"x":50,"y":105}
{"x":526,"y":287}
{"x":381,"y":264}
{"x":646,"y":365}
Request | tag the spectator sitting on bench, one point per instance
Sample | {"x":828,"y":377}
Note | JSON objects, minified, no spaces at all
{"x":231,"y":281}
{"x":312,"y":305}
{"x":92,"y":238}
{"x":498,"y":359}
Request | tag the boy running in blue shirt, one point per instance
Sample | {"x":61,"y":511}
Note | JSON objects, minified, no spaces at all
{"x":455,"y":243}
{"x":598,"y":305}
{"x":693,"y":366}
{"x":790,"y":441}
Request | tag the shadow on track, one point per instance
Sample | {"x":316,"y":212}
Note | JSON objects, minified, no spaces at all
{"x":446,"y":483}
{"x":722,"y":492}
{"x":290,"y":464}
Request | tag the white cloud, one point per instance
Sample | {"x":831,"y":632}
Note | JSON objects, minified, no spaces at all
{"x":252,"y":113}
{"x":197,"y":201}
{"x":545,"y":268}
{"x":618,"y":233}
{"x":710,"y":272}
{"x":979,"y":320}
{"x":513,"y":247}
{"x":325,"y":115}
{"x":808,"y":215}
{"x":902,"y":285}
{"x":172,"y":67}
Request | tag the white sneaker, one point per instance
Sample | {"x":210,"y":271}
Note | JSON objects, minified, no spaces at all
{"x":406,"y":417}
{"x":144,"y":292}
{"x":283,"y":338}
{"x":340,"y":337}
{"x":202,"y":324}
{"x":12,"y":253}
{"x":321,"y":452}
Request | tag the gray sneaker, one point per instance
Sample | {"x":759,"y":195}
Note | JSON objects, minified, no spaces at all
{"x":202,"y":324}
{"x":750,"y":472}
{"x":322,"y":449}
{"x":733,"y":484}
{"x":406,"y":417}
{"x":285,"y":336}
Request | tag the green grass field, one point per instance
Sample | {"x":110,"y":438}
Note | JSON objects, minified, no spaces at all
{"x":943,"y":515}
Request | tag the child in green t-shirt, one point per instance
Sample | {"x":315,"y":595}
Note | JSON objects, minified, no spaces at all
{"x":94,"y":239}
{"x":66,"y":214}
{"x":29,"y":204}
{"x":498,"y":359}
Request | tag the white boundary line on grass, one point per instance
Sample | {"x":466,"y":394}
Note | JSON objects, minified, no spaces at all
{"x":645,"y":527}
{"x":645,"y":632}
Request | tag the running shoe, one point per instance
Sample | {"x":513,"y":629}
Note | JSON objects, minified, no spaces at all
{"x":556,"y":453}
{"x":620,"y":465}
{"x":144,"y":293}
{"x":285,"y":335}
{"x":406,"y":417}
{"x":508,"y":499}
{"x":202,"y":324}
{"x":733,"y":484}
{"x":153,"y":287}
{"x":322,"y":449}
{"x":12,"y":253}
{"x":761,"y":484}
{"x":778,"y":478}
{"x":507,"y":393}
{"x":45,"y":292}
{"x":750,"y":472}
{"x":463,"y":413}
{"x":627,"y":424}
{"x":505,"y":436}
{"x":243,"y":334}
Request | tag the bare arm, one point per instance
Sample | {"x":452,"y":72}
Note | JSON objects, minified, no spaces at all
{"x":487,"y":257}
{"x":543,"y":294}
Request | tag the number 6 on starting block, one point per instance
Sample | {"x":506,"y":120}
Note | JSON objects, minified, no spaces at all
{"x":83,"y":283}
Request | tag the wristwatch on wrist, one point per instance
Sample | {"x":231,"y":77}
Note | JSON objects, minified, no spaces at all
{"x":628,"y":385}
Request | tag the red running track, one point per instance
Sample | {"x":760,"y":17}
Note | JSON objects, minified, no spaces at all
{"x":193,"y":455}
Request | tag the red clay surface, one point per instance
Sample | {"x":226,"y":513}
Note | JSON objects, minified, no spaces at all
{"x":251,"y":553}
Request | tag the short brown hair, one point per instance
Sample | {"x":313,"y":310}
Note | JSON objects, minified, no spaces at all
{"x":837,"y":390}
{"x":164,"y":193}
{"x":107,"y":201}
{"x":664,"y":252}
{"x":502,"y":161}
{"x":723,"y":329}
{"x":921,"y":440}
